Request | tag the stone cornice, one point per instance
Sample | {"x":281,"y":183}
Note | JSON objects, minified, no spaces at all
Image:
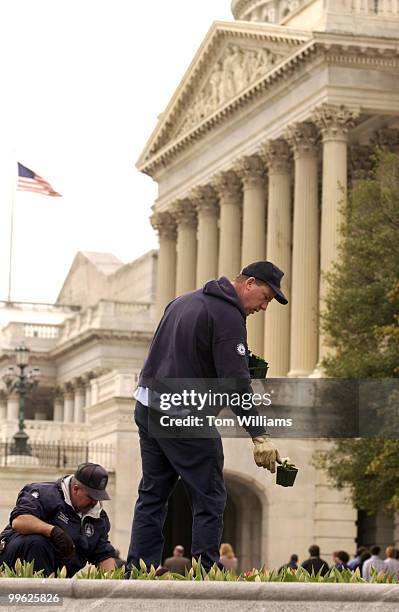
{"x":333,"y":48}
{"x":99,"y":335}
{"x":35,"y":357}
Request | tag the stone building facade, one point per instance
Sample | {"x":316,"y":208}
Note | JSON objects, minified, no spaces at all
{"x":253,"y":157}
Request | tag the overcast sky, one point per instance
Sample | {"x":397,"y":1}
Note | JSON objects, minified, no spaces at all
{"x":82,"y":84}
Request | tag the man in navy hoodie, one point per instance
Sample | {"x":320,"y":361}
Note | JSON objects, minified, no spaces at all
{"x":202,"y":335}
{"x":61,"y":523}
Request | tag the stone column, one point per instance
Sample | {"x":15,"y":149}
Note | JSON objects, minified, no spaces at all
{"x":79,"y":403}
{"x":305,"y":252}
{"x":251,"y":170}
{"x":229,"y":189}
{"x":165,"y":224}
{"x":186,"y":265}
{"x":87,"y":378}
{"x":87,"y":400}
{"x":58,"y":410}
{"x":205,"y":201}
{"x":277,"y":321}
{"x":12,"y":407}
{"x":3,"y":406}
{"x":69,"y":404}
{"x":334,"y":123}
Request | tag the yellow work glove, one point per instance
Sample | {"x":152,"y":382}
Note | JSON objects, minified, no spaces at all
{"x":265,"y":453}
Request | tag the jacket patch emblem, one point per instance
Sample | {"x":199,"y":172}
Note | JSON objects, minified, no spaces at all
{"x":63,"y":518}
{"x":89,"y":530}
{"x":241,"y":349}
{"x":35,"y":494}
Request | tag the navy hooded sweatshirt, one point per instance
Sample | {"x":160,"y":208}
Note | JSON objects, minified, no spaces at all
{"x":202,"y":334}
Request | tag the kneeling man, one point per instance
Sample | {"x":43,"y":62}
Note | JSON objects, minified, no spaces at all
{"x":61,"y":523}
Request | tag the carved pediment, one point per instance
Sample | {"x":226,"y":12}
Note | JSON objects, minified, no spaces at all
{"x":236,"y":69}
{"x":231,"y":60}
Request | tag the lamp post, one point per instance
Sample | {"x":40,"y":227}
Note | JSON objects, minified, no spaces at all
{"x":22,"y":382}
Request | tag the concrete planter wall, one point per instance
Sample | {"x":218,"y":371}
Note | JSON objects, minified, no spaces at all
{"x":149,"y":596}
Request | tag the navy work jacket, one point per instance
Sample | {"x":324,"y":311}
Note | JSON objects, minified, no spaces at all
{"x":46,"y":501}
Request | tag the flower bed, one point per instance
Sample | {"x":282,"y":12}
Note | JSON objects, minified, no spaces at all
{"x":199,"y":574}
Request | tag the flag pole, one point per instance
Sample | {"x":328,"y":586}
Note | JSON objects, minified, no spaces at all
{"x":11,"y":239}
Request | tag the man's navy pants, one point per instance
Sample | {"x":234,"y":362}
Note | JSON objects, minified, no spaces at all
{"x":199,"y":463}
{"x":32,"y":547}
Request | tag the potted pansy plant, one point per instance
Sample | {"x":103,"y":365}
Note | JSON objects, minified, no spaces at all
{"x":257,"y":366}
{"x":286,"y":473}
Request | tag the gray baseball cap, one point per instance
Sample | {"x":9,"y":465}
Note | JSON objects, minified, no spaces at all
{"x":94,"y":478}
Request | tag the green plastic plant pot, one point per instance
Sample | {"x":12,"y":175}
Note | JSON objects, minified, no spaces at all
{"x":286,"y":476}
{"x":257,"y":367}
{"x":258,"y":372}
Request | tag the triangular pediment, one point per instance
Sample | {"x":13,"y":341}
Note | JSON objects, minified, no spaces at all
{"x":232,"y":59}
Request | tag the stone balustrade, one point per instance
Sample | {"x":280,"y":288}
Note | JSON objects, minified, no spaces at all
{"x":107,"y":314}
{"x":53,"y":430}
{"x":116,"y":384}
{"x":40,"y":336}
{"x":385,"y":8}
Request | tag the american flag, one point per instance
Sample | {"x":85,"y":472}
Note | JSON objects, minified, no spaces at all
{"x":30,"y":181}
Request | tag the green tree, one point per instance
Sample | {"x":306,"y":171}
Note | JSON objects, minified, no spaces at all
{"x":361,"y":322}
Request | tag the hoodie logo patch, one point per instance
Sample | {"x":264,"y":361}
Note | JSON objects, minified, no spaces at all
{"x":89,"y":530}
{"x":241,"y":349}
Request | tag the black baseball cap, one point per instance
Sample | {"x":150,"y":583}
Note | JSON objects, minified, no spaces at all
{"x":94,"y":478}
{"x":268,"y":273}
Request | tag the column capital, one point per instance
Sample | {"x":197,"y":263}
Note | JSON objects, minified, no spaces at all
{"x":334,"y":122}
{"x":58,"y":393}
{"x":228,"y":186}
{"x":184,"y":213}
{"x":78,"y":384}
{"x":303,"y":138}
{"x":387,"y":138}
{"x":204,"y":198}
{"x":87,"y":377}
{"x":67,"y":390}
{"x":165,"y":224}
{"x":360,"y":159}
{"x":277,"y":156}
{"x":251,"y":170}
